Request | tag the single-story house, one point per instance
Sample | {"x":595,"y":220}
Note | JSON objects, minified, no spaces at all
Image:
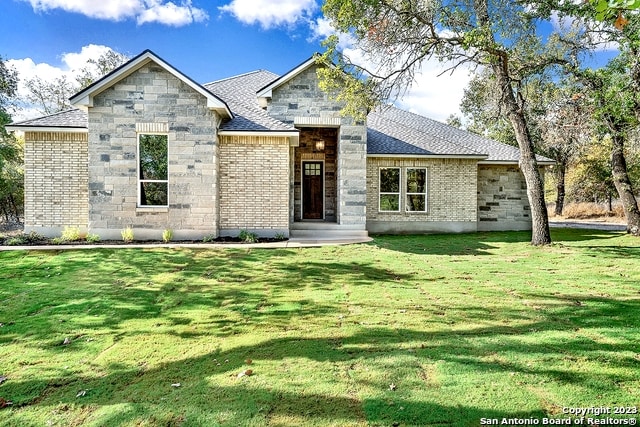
{"x":147,"y":147}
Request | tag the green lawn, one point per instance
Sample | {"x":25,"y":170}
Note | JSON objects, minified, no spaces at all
{"x":428,"y":330}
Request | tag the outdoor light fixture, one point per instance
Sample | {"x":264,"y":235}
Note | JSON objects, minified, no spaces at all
{"x":320,"y":145}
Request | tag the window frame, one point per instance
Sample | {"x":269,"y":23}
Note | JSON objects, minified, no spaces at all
{"x":139,"y":179}
{"x":425,"y":193}
{"x":381,"y":193}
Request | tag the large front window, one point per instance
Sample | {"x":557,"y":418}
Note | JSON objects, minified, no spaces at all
{"x":153,"y":178}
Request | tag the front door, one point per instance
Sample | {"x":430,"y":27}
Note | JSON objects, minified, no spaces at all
{"x":312,"y":190}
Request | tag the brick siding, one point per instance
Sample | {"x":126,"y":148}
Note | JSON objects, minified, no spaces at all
{"x":254,"y":185}
{"x":451,"y":190}
{"x":56,"y":181}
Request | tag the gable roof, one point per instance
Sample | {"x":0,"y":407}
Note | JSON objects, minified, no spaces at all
{"x":68,"y":121}
{"x":240,"y":94}
{"x":267,"y":90}
{"x":84,"y":98}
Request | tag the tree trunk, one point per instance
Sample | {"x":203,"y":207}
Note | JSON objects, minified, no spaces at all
{"x":623,"y":185}
{"x":540,"y":234}
{"x":561,"y":170}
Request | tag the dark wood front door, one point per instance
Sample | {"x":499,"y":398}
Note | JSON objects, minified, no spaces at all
{"x":312,"y":190}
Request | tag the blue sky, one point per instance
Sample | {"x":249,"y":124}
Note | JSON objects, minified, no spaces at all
{"x":205,"y":39}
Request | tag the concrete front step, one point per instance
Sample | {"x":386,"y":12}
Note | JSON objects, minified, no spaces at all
{"x":326,"y":230}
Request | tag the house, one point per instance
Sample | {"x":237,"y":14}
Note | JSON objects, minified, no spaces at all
{"x":147,"y":147}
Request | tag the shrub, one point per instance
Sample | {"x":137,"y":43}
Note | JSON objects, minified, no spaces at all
{"x":127,"y":235}
{"x":16,"y":241}
{"x":167,"y":235}
{"x":248,"y":237}
{"x":280,"y":236}
{"x":70,"y":234}
{"x":209,"y":238}
{"x":58,"y":241}
{"x":93,"y":238}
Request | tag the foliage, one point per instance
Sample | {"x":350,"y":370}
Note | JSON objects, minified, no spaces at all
{"x":167,"y":235}
{"x":52,"y":96}
{"x":127,"y":235}
{"x":209,"y":238}
{"x":614,"y":11}
{"x":248,"y":237}
{"x":93,"y":238}
{"x":70,"y":234}
{"x":464,"y":327}
{"x":280,"y":236}
{"x":11,"y":174}
{"x":394,"y":39}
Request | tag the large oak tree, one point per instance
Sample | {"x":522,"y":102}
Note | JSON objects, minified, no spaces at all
{"x":397,"y":36}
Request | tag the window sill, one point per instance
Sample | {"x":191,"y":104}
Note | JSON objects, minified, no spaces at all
{"x":152,"y":209}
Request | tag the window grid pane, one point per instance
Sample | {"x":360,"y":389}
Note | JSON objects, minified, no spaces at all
{"x":416,"y":190}
{"x":153,"y":186}
{"x":389,"y":200}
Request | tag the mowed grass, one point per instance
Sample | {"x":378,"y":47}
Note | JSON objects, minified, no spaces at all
{"x":406,"y":330}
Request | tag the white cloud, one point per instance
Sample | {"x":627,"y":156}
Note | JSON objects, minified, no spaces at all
{"x":70,"y":64}
{"x":270,"y":13}
{"x":144,"y":11}
{"x":436,"y":95}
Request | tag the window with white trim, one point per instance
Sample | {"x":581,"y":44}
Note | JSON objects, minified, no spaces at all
{"x":416,"y":187}
{"x":153,"y":177}
{"x":389,"y":190}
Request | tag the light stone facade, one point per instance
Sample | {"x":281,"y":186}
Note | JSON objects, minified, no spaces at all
{"x":300,"y":99}
{"x":451,"y":197}
{"x":151,"y":100}
{"x":244,"y":180}
{"x":502,"y":198}
{"x":55,"y":181}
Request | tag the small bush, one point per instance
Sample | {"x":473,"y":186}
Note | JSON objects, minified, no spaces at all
{"x":70,"y":234}
{"x":248,"y":237}
{"x":280,"y":236}
{"x":167,"y":235}
{"x":58,"y":241}
{"x":127,"y":235}
{"x":209,"y":238}
{"x":16,"y":241}
{"x":93,"y":238}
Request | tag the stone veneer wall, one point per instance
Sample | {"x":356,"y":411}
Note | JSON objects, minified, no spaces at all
{"x":254,"y":185}
{"x":502,"y":198}
{"x":151,"y":100}
{"x":55,"y":182}
{"x":301,"y":97}
{"x":307,"y":152}
{"x":451,"y":197}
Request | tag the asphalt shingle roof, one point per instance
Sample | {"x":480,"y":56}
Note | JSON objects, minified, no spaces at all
{"x":395,"y":131}
{"x":65,"y":119}
{"x":391,"y":131}
{"x":239,"y":93}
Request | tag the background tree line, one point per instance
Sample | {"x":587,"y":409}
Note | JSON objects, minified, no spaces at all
{"x":47,"y":97}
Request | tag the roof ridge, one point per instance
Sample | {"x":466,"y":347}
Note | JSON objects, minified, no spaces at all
{"x":238,"y":76}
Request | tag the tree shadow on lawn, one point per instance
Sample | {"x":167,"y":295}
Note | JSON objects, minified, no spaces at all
{"x":133,"y":285}
{"x":212,"y":391}
{"x":481,"y":243}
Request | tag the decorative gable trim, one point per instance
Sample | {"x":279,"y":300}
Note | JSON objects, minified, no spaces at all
{"x":84,"y":98}
{"x":267,"y":91}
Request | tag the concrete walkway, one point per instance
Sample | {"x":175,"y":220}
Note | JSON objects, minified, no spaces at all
{"x":291,"y":243}
{"x":588,"y":224}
